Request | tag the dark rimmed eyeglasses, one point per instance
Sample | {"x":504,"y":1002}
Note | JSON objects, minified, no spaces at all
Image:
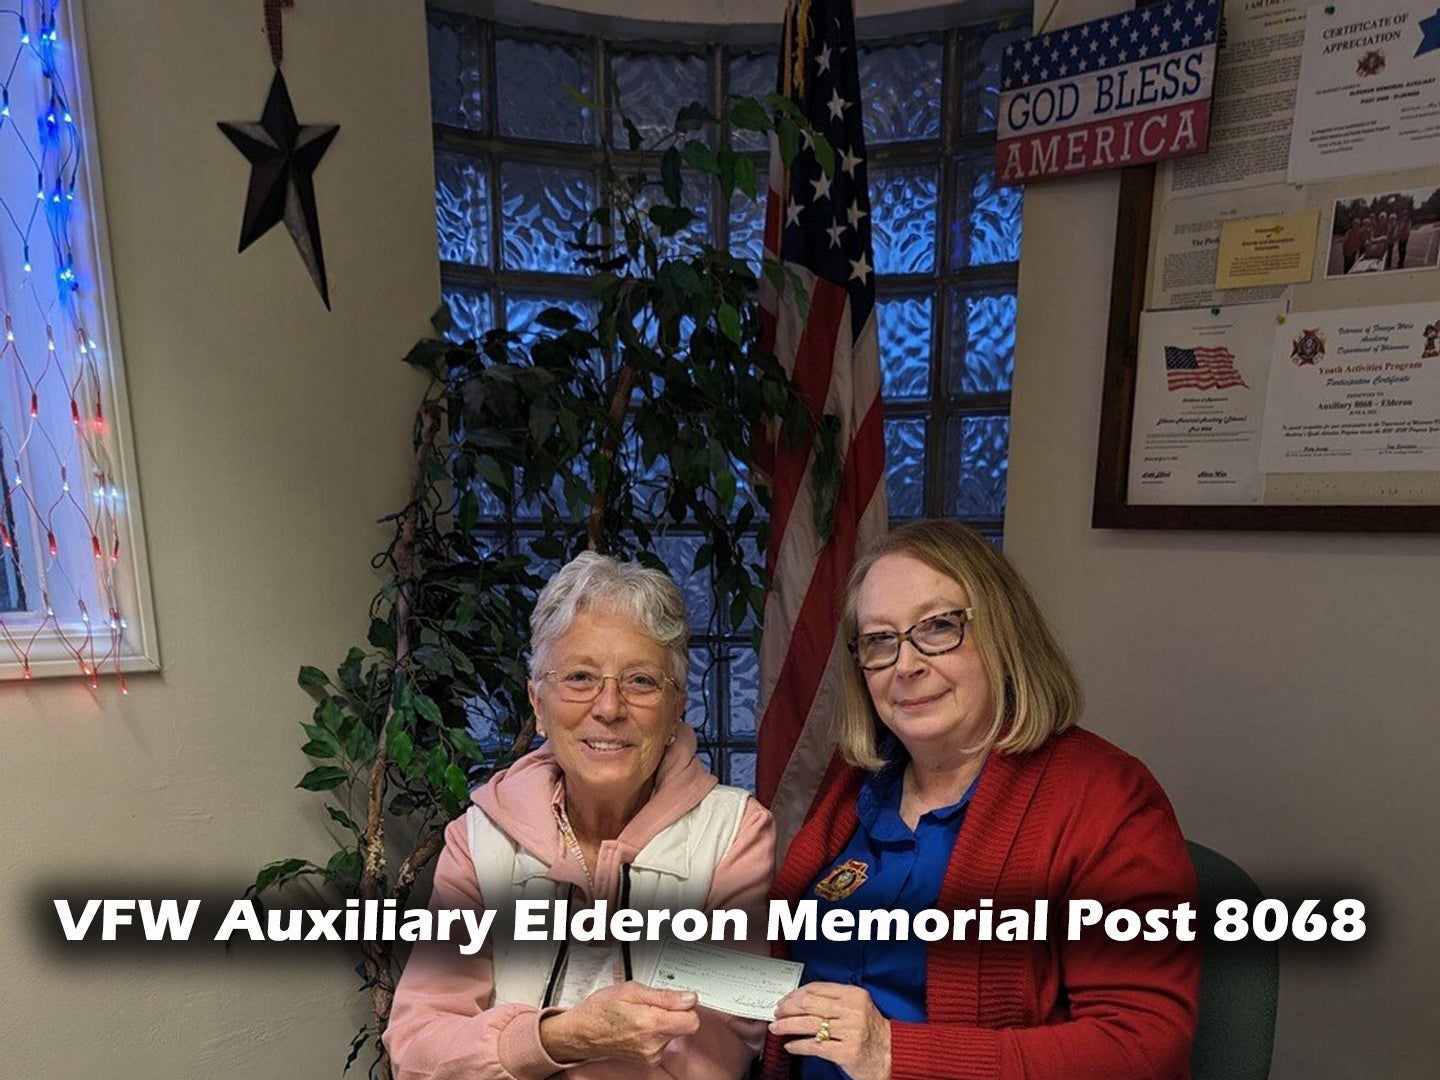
{"x":935,"y":636}
{"x":583,"y":685}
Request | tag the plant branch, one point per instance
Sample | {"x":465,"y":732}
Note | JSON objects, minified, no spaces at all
{"x":619,"y":402}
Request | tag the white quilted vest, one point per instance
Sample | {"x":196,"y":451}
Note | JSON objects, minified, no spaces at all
{"x":672,"y":871}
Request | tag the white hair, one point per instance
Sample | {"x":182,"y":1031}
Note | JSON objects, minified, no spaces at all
{"x":595,"y":582}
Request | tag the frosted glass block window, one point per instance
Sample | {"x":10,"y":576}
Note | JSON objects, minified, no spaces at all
{"x":539,"y":87}
{"x":900,"y":87}
{"x":652,"y":86}
{"x":906,"y":335}
{"x":977,"y":452}
{"x":520,"y":115}
{"x":542,"y":208}
{"x":462,"y":209}
{"x":903,"y":205}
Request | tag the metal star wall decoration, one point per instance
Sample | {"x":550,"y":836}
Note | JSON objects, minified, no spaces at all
{"x":283,"y":155}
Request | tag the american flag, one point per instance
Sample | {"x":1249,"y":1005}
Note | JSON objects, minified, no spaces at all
{"x":1201,"y":369}
{"x":819,"y":226}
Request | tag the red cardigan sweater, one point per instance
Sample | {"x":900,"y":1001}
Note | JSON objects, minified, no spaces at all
{"x":1078,"y":818}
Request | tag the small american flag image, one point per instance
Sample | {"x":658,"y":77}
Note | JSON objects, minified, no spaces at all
{"x":1201,"y":369}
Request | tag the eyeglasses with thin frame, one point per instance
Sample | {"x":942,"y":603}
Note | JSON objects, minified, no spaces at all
{"x":935,"y":636}
{"x":583,"y":685}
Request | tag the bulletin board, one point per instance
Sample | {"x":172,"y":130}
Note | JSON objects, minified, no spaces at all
{"x":1272,"y":359}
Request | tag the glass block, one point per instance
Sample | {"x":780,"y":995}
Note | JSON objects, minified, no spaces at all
{"x":981,"y":354}
{"x":543,"y":206}
{"x":471,"y":313}
{"x":457,"y":72}
{"x":707,"y":758}
{"x":900,"y":90}
{"x":462,"y":209}
{"x":977,"y":456}
{"x":985,"y":227}
{"x":752,"y":75}
{"x":741,"y":768}
{"x":744,"y":670}
{"x":747,"y":229}
{"x":905,"y":466}
{"x":652,"y":87}
{"x":980,"y":101}
{"x":905,"y":330}
{"x":702,"y":703}
{"x":536,"y":83}
{"x":902,"y":202}
{"x":677,"y":552}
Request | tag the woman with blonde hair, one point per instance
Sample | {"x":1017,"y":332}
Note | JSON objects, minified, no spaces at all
{"x":962,"y":780}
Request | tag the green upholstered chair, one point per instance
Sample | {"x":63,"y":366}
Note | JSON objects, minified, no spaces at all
{"x":1239,"y":982}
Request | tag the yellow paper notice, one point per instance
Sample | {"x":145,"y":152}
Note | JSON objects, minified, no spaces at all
{"x":1267,"y":251}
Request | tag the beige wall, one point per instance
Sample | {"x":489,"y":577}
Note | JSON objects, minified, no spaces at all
{"x":270,"y":435}
{"x":1284,"y":687}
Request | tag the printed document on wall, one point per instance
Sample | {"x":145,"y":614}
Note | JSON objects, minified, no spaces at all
{"x":1254,"y":101}
{"x":1368,"y":99}
{"x":1199,"y":399}
{"x":1356,"y":390}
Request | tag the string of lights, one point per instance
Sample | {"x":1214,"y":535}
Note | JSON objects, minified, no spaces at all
{"x":60,"y":497}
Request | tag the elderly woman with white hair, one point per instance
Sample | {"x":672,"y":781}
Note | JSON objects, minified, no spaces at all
{"x":614,"y":806}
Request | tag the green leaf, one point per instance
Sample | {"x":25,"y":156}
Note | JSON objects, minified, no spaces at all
{"x":432,"y":658}
{"x":323,"y":778}
{"x":427,"y":708}
{"x":557,"y":318}
{"x":312,"y":678}
{"x":725,"y":160}
{"x":382,"y":634}
{"x":729,"y":319}
{"x":789,"y":135}
{"x":632,"y":132}
{"x":277,"y":873}
{"x":670,"y":175}
{"x":670,"y":219}
{"x":699,"y":156}
{"x":340,"y":817}
{"x":402,"y":747}
{"x":456,"y":783}
{"x":745,"y":178}
{"x":322,"y":743}
{"x":693,"y":117}
{"x":748,"y":114}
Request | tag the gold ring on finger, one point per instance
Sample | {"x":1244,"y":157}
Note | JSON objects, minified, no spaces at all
{"x":824,"y":1033}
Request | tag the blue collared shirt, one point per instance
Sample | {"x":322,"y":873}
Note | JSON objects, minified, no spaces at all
{"x":902,"y":869}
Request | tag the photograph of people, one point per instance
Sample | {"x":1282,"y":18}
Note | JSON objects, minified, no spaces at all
{"x":615,"y":806}
{"x":964,"y":777}
{"x":1372,"y":234}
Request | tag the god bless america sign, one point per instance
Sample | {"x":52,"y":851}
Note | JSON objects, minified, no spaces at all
{"x":1124,"y":90}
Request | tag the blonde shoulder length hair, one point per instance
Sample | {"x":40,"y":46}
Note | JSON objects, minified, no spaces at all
{"x":1033,"y":686}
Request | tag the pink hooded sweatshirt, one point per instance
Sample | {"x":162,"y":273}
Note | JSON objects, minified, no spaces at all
{"x":444,"y":1024}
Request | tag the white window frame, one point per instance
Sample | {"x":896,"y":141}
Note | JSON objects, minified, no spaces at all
{"x":49,"y":640}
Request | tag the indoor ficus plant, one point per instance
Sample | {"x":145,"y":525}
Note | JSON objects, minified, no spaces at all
{"x":526,"y":449}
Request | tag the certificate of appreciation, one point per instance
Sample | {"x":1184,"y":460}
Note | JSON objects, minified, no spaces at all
{"x":1199,"y":395}
{"x":1355,"y":391}
{"x":1368,"y":99}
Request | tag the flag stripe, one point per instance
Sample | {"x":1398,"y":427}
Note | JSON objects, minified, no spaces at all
{"x":813,"y":636}
{"x":817,"y":224}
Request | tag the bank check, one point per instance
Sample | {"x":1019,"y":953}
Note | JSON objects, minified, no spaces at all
{"x":732,"y":982}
